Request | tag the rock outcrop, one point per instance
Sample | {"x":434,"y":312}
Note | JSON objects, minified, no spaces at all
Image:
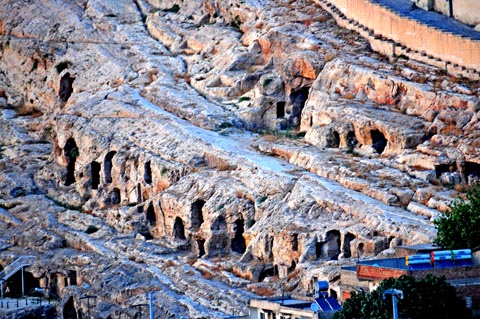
{"x":206,"y":151}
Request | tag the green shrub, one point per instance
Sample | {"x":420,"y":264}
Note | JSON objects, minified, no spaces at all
{"x":430,"y":297}
{"x":458,"y":227}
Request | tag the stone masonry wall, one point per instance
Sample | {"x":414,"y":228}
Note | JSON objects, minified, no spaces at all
{"x":449,"y":273}
{"x":472,"y":291}
{"x":429,"y":41}
{"x":375,"y":272}
{"x":371,"y":272}
{"x":469,"y":289}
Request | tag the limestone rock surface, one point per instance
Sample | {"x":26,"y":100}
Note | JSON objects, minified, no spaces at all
{"x":214,"y":151}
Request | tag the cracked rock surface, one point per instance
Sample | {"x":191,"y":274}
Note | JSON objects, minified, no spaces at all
{"x":214,"y":151}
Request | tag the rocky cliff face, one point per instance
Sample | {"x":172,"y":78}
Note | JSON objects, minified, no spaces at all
{"x":210,"y":150}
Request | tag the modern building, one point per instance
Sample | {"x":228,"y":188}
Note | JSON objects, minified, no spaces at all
{"x":460,"y":267}
{"x":321,"y":306}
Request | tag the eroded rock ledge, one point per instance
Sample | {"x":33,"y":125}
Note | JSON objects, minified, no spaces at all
{"x":158,"y":146}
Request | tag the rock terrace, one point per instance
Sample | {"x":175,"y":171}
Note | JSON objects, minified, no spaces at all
{"x":209,"y":151}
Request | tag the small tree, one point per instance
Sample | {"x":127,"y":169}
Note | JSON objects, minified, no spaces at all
{"x":458,"y":227}
{"x":431,"y":297}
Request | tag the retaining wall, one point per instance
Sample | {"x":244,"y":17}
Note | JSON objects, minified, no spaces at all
{"x":365,"y":271}
{"x":378,"y":273}
{"x":466,"y":272}
{"x":392,"y":34}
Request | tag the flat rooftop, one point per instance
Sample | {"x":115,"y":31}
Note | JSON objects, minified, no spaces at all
{"x":419,"y":247}
{"x":291,"y":302}
{"x":394,"y":263}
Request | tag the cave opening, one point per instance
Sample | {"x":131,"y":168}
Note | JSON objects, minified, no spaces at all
{"x":95,"y":173}
{"x":292,"y":267}
{"x":295,"y":242}
{"x":280,"y":110}
{"x":146,"y":234}
{"x":333,"y":293}
{"x":334,"y":140}
{"x":351,"y":139}
{"x":330,"y":248}
{"x":107,"y":166}
{"x":72,"y":275}
{"x":197,"y":213}
{"x":298,"y":99}
{"x":150,"y":215}
{"x":14,"y":284}
{"x":147,"y":175}
{"x":219,"y":223}
{"x":445,"y":168}
{"x":69,"y":311}
{"x":66,"y":87}
{"x":179,"y":229}
{"x":472,"y":169}
{"x":318,"y":249}
{"x":347,"y":239}
{"x":270,"y":241}
{"x":114,"y":197}
{"x":267,"y":271}
{"x":379,"y":142}
{"x":238,"y":242}
{"x":390,"y":239}
{"x":71,"y":153}
{"x":139,"y":193}
{"x":201,"y":247}
{"x":360,"y":249}
{"x":333,"y":244}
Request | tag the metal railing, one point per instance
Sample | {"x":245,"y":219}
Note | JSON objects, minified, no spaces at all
{"x":18,"y":264}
